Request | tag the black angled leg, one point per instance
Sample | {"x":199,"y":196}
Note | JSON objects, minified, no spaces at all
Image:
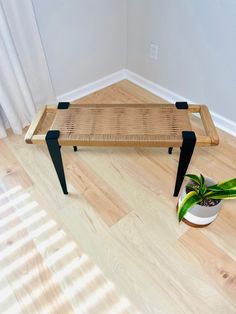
{"x":55,"y":153}
{"x":189,"y":142}
{"x":170,"y":150}
{"x":75,"y":148}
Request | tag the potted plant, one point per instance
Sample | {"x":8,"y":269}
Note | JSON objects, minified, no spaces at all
{"x":201,"y":200}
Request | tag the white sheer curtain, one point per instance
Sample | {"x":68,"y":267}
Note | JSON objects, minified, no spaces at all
{"x":25,"y":82}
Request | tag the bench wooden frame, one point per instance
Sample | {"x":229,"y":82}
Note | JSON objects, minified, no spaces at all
{"x":153,"y":136}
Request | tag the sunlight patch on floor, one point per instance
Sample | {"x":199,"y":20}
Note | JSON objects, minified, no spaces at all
{"x":10,"y":192}
{"x":40,"y":262}
{"x":14,"y":202}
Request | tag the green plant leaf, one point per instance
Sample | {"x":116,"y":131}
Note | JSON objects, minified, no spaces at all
{"x":202,"y":188}
{"x":214,"y":188}
{"x":194,"y":178}
{"x":208,"y":194}
{"x":220,"y":195}
{"x":202,"y":179}
{"x":225,"y":185}
{"x":191,"y":188}
{"x":189,"y":200}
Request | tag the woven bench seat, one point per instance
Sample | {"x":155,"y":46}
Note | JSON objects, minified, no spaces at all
{"x":130,"y":125}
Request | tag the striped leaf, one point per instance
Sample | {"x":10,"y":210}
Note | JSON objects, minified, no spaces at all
{"x":202,"y":188}
{"x":189,"y":200}
{"x":189,"y":187}
{"x":225,"y":185}
{"x":222,"y":195}
{"x":194,"y":178}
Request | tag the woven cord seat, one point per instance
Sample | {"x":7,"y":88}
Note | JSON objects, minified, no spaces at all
{"x":121,"y":125}
{"x":137,"y":125}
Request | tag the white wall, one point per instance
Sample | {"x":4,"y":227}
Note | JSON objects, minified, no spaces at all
{"x":197,"y":42}
{"x":84,"y":40}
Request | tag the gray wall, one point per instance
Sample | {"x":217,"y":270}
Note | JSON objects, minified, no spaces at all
{"x":84,"y":40}
{"x":197,"y":48}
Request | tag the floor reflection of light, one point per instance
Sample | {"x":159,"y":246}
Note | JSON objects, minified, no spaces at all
{"x":33,"y":253}
{"x":85,"y":306}
{"x":14,"y":202}
{"x":56,"y":305}
{"x":14,"y":309}
{"x":21,"y":226}
{"x":37,"y":292}
{"x":83,"y":281}
{"x":23,"y":259}
{"x":59,"y":276}
{"x":29,"y":299}
{"x":10,"y":192}
{"x":42,"y":246}
{"x":77,"y":277}
{"x":70,"y":267}
{"x":15,"y":285}
{"x":17,"y":263}
{"x":122,"y":305}
{"x":25,"y":240}
{"x":66,"y":249}
{"x":95,"y":297}
{"x":59,"y":235}
{"x":18,"y":213}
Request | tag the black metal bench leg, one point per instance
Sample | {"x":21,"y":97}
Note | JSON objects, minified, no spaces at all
{"x":189,"y":142}
{"x":55,"y":153}
{"x":75,"y":148}
{"x":170,"y":150}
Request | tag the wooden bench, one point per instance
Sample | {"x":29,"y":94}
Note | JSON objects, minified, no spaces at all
{"x":125,"y":125}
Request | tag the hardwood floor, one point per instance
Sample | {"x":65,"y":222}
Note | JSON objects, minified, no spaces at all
{"x":114,"y":240}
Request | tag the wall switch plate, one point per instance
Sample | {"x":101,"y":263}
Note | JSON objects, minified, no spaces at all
{"x":153,"y":52}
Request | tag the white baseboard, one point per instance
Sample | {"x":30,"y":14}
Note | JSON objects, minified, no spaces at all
{"x":221,"y":122}
{"x":92,"y":87}
{"x":155,"y":88}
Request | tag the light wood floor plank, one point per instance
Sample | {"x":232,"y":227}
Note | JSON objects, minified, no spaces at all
{"x":94,"y":189}
{"x":217,"y":265}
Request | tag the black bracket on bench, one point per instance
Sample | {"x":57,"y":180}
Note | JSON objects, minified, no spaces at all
{"x":181,"y":105}
{"x":63,"y":105}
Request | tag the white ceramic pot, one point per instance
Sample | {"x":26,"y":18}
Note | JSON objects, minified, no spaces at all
{"x":201,"y":216}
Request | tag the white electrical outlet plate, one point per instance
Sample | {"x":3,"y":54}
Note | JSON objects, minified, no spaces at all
{"x":153,"y":53}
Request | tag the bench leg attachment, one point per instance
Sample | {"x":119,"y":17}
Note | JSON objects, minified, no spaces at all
{"x":55,"y":153}
{"x":170,"y":150}
{"x":187,"y":149}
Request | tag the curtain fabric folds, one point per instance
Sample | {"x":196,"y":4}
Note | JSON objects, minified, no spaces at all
{"x":25,"y":82}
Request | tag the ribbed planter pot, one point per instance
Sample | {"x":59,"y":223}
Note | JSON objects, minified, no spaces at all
{"x":200,"y":216}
